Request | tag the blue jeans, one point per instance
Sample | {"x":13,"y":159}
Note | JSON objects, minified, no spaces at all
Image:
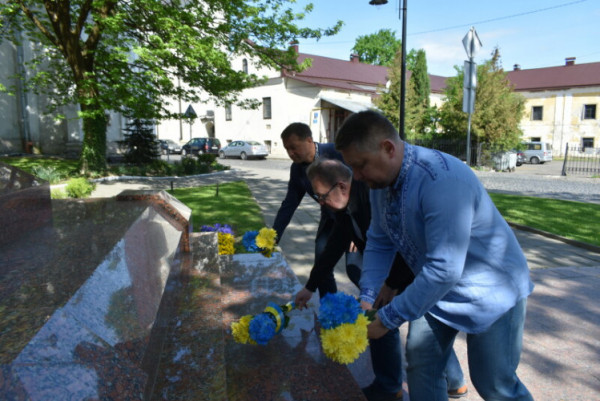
{"x":493,"y":358}
{"x":454,"y":374}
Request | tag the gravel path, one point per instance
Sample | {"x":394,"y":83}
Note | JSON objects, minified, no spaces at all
{"x":571,"y":188}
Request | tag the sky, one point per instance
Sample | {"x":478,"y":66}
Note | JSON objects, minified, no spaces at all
{"x":531,"y":33}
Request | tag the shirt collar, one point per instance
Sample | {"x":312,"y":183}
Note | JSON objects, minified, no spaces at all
{"x":408,"y":160}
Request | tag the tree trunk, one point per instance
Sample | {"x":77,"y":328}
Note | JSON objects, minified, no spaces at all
{"x":93,"y":152}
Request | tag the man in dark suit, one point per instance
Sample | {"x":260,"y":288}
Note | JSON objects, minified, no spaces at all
{"x":298,"y":142}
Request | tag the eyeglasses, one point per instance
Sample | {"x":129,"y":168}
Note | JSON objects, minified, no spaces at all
{"x":323,"y":198}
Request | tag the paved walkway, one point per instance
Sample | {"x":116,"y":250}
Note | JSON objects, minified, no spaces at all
{"x":561,"y":346}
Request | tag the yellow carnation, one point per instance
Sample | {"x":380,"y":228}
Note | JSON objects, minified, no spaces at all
{"x":346,"y":342}
{"x":266,"y":238}
{"x":226,"y":244}
{"x":240,"y":330}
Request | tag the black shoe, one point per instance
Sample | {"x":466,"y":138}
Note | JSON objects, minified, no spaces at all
{"x":374,"y":393}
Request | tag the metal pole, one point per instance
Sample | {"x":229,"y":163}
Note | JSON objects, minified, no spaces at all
{"x":403,"y":72}
{"x":469,"y":137}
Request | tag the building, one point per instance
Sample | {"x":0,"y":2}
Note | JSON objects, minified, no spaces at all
{"x":561,"y":104}
{"x":322,"y":96}
{"x":25,"y":124}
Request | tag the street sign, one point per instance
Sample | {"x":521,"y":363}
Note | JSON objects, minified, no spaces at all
{"x":190,"y":113}
{"x":471,"y":43}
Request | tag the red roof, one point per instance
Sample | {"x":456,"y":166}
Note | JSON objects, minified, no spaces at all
{"x":350,"y":75}
{"x":561,"y":77}
{"x":355,"y":76}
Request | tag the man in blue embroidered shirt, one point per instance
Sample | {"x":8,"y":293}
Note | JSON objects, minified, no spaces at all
{"x":470,"y":272}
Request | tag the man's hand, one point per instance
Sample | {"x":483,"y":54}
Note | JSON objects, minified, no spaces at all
{"x":385,"y":296}
{"x":376,"y":329}
{"x":302,"y":297}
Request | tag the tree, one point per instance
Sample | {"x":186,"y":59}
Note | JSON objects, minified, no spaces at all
{"x":125,"y":55}
{"x":140,"y":141}
{"x":377,"y":48}
{"x":389,"y":101}
{"x":419,"y":117}
{"x":498,"y":109}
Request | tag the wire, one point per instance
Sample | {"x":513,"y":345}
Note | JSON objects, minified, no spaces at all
{"x":498,"y":18}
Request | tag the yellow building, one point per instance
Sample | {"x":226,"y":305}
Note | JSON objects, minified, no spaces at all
{"x":561,"y":104}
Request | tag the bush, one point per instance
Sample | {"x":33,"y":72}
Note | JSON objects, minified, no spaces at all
{"x":48,"y":173}
{"x":79,"y":188}
{"x":58,"y":193}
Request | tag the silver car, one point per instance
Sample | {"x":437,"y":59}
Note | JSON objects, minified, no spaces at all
{"x":244,"y":150}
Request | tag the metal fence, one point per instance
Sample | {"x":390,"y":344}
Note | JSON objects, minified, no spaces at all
{"x":582,"y":161}
{"x":458,"y":149}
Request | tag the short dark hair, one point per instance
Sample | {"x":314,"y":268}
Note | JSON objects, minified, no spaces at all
{"x":365,"y":130}
{"x":301,"y":130}
{"x":330,"y":171}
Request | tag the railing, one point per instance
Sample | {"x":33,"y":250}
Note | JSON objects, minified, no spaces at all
{"x":583,"y":161}
{"x":456,"y":148}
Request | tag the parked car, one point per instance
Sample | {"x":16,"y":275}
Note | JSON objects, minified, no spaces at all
{"x":244,"y":150}
{"x":200,"y":146}
{"x":537,"y":152}
{"x":168,"y":147}
{"x":521,"y":158}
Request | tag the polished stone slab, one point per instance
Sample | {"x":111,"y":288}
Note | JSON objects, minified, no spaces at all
{"x":201,"y":361}
{"x":83,"y":299}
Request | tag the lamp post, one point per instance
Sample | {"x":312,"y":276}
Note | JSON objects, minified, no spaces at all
{"x":402,"y":63}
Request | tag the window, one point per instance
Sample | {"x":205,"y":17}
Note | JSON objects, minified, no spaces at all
{"x":228,"y":112}
{"x":589,"y":112}
{"x":266,"y":108}
{"x":245,"y":66}
{"x":587,"y":143}
{"x":537,"y":113}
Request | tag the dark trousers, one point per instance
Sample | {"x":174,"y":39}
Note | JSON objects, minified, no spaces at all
{"x":386,"y":358}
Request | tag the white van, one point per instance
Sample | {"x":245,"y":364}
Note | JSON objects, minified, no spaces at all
{"x":537,"y":152}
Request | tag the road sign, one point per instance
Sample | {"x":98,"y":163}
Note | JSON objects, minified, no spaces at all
{"x":471,"y":43}
{"x":190,"y":113}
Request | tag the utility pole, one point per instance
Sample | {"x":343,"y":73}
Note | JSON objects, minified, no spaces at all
{"x":402,"y":64}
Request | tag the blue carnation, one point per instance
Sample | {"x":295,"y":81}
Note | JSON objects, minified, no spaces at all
{"x":337,"y":309}
{"x":249,"y":241}
{"x":224,"y":228}
{"x":207,"y":229}
{"x":262,"y":328}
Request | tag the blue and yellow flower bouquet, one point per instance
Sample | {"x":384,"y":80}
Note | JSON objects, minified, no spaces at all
{"x":261,"y":328}
{"x":263,"y":241}
{"x":343,"y":327}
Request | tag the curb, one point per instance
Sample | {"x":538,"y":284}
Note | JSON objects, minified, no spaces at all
{"x":579,"y":244}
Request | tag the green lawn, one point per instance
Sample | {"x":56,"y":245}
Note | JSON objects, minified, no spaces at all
{"x":574,"y":220}
{"x":233,"y":204}
{"x":230,"y":203}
